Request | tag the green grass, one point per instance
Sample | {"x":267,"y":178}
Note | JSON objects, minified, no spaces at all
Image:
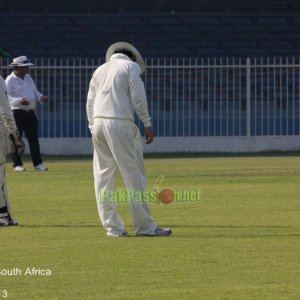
{"x":240,"y":242}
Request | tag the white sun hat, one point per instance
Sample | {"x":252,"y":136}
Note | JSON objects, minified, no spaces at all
{"x":21,"y":61}
{"x":123,"y":45}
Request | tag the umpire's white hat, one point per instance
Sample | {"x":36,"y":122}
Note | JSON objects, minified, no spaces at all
{"x":123,"y":45}
{"x":21,"y":61}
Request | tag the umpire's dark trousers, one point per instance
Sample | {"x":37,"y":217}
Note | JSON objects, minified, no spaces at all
{"x":27,"y":122}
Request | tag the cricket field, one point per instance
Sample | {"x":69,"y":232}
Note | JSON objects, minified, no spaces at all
{"x":239,"y":240}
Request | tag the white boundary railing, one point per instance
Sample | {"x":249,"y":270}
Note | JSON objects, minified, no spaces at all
{"x":188,"y":98}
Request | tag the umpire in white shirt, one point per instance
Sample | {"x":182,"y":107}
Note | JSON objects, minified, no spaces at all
{"x":116,"y":91}
{"x":23,"y":95}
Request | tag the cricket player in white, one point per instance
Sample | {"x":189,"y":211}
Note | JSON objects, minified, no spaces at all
{"x":116,"y":90}
{"x":7,"y":128}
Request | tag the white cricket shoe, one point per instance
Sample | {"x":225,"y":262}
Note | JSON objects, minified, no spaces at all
{"x":123,"y":234}
{"x":3,"y":222}
{"x":8,"y":221}
{"x":19,"y":169}
{"x":41,"y":167}
{"x":12,"y":222}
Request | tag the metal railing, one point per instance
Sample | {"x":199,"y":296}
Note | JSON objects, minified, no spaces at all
{"x":186,"y":97}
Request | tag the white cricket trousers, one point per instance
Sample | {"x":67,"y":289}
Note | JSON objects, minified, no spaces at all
{"x":4,"y":201}
{"x":118,"y":144}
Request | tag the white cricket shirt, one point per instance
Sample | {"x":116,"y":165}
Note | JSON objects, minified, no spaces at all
{"x":18,"y":88}
{"x":116,"y":90}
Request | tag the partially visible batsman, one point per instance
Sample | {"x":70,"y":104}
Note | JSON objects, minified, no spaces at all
{"x":8,"y":128}
{"x":115,"y":93}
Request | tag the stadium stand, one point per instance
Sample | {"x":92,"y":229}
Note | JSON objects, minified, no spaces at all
{"x":159,"y":28}
{"x":168,"y":29}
